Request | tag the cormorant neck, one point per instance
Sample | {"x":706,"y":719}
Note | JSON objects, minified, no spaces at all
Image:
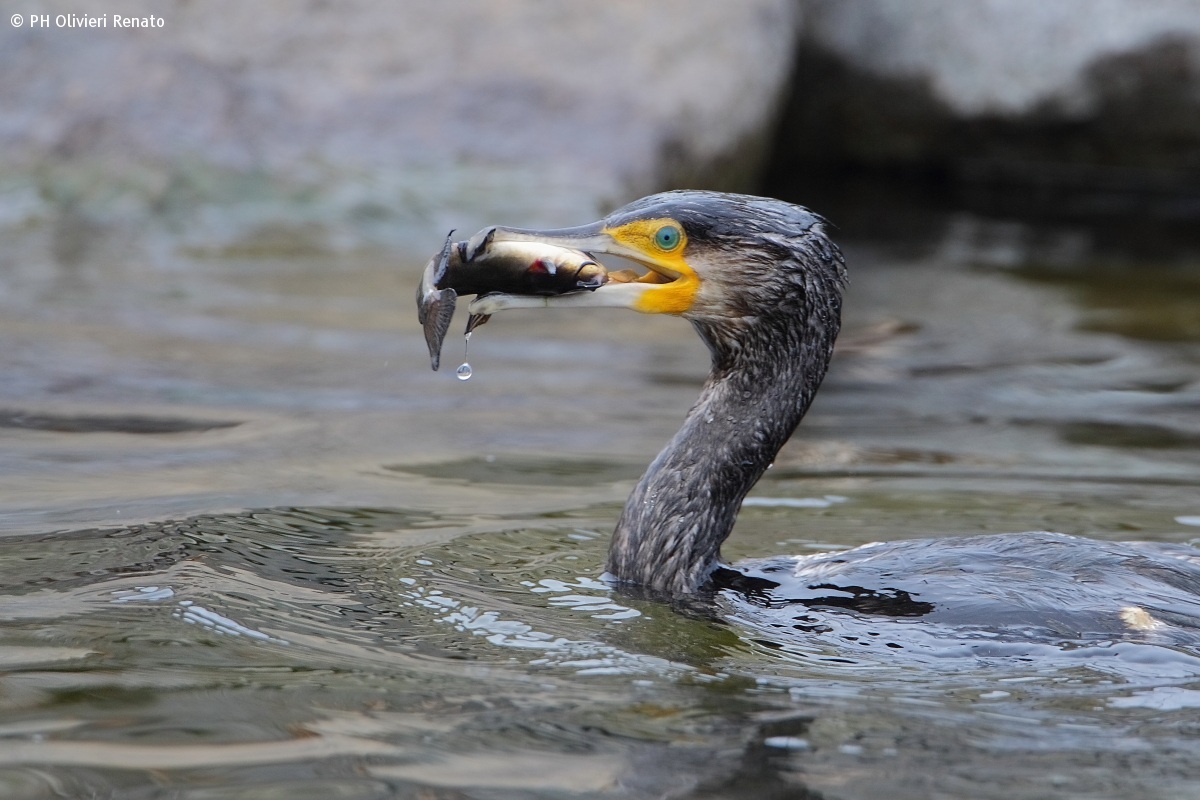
{"x":765,"y":372}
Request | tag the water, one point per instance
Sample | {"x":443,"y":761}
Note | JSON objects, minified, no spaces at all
{"x":464,"y":371}
{"x":251,"y":546}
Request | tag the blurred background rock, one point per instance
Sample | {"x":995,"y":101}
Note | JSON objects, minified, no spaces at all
{"x":324,"y":124}
{"x":285,"y":126}
{"x":1011,"y":107}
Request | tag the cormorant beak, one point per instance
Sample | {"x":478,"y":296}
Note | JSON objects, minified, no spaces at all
{"x":668,"y":288}
{"x":593,"y":238}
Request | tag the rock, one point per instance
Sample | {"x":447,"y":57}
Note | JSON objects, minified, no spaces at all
{"x":1064,"y":91}
{"x":1007,"y":57}
{"x":237,"y":123}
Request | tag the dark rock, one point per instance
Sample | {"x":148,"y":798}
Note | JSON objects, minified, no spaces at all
{"x":1081,"y":102}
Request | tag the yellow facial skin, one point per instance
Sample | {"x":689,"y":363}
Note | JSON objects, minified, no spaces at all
{"x":678,"y":293}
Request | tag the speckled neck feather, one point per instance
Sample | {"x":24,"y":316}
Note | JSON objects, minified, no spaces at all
{"x":768,"y":360}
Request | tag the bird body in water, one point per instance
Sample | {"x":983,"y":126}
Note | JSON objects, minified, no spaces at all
{"x":761,"y":282}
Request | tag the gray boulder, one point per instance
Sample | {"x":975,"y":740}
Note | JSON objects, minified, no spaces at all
{"x":996,"y":84}
{"x":268,"y":123}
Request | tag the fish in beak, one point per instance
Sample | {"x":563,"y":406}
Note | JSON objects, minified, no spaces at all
{"x":508,"y":268}
{"x":484,"y":266}
{"x":668,"y":286}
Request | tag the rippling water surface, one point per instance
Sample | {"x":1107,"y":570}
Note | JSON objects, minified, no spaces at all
{"x":250,"y":546}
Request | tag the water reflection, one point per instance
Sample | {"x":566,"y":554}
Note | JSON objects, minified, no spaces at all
{"x":436,"y":626}
{"x":408,"y":644}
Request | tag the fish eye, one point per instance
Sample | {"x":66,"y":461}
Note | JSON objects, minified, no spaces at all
{"x":668,"y":237}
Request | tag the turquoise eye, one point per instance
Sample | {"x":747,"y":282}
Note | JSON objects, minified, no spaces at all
{"x":668,"y":237}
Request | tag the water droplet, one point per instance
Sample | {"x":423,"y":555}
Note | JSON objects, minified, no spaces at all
{"x":464,"y":370}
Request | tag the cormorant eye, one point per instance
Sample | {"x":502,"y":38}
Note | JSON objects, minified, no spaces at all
{"x":668,"y":237}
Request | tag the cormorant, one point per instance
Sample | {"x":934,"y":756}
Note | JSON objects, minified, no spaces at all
{"x":761,"y":282}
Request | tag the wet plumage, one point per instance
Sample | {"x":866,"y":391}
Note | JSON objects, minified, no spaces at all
{"x":761,"y":283}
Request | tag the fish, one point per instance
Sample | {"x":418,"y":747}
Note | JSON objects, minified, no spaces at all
{"x":482,"y":266}
{"x":435,"y":307}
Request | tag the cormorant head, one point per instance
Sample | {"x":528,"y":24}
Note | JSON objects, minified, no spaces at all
{"x":725,"y":262}
{"x":711,"y":256}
